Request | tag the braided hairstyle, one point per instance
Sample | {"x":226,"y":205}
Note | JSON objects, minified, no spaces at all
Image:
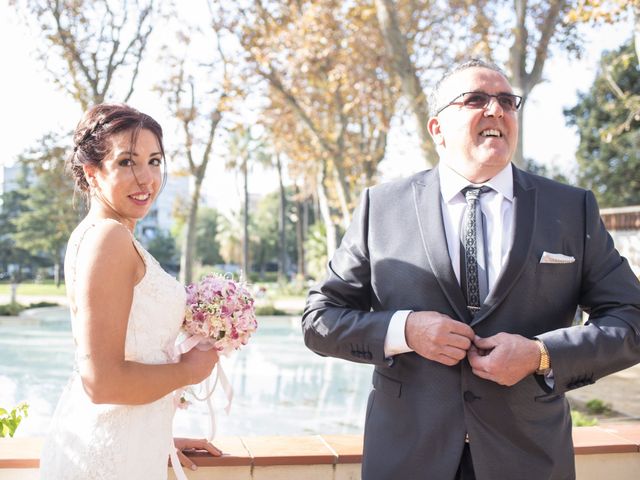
{"x":92,"y":137}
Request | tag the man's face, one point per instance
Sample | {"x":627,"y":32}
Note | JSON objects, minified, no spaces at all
{"x":475,"y":142}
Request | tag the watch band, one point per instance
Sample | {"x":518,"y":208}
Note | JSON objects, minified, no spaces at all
{"x":545,"y":362}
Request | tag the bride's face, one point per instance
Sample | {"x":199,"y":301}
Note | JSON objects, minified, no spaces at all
{"x":128,"y":179}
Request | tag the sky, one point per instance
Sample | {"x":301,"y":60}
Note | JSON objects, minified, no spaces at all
{"x":31,"y":106}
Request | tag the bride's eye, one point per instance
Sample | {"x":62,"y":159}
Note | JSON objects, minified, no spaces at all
{"x":156,"y":162}
{"x":126,"y":162}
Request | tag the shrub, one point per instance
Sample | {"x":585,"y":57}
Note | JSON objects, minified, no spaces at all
{"x":268,"y":309}
{"x":9,"y":421}
{"x":580,"y":420}
{"x":597,"y":407}
{"x":11,"y":309}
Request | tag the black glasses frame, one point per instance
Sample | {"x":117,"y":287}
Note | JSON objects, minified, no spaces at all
{"x":507,"y":98}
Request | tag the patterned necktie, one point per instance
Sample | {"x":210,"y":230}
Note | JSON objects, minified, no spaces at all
{"x":473,"y":265}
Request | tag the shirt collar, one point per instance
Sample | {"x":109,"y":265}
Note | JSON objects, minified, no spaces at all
{"x":451,"y":182}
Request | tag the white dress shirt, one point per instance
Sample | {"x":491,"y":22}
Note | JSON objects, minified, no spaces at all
{"x":497,"y":206}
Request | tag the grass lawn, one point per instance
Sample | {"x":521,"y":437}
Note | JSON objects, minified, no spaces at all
{"x":43,"y":289}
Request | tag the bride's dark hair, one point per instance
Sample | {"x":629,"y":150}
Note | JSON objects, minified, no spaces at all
{"x":92,"y":137}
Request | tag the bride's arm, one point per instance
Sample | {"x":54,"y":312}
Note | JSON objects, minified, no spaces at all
{"x":107,"y":269}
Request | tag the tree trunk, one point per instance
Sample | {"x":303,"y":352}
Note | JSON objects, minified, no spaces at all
{"x":282,"y":257}
{"x":57,"y":278}
{"x":636,"y":29}
{"x":341,"y":189}
{"x":396,"y":46}
{"x":325,"y":213}
{"x":302,"y":209}
{"x":245,"y":220}
{"x":188,"y":249}
{"x":522,"y":80}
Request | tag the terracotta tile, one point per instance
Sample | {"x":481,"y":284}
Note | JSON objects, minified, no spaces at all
{"x":20,"y":452}
{"x":235,"y":454}
{"x":347,"y":447}
{"x":589,"y":440}
{"x":276,"y":450}
{"x":629,"y":431}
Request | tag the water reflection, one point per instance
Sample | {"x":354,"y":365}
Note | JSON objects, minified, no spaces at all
{"x":280,"y":387}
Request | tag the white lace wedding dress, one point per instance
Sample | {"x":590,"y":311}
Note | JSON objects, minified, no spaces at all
{"x":120,"y":442}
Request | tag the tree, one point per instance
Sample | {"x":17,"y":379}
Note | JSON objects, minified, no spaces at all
{"x":324,"y":67}
{"x":163,"y":248}
{"x":241,"y":147}
{"x":481,"y":28}
{"x":267,"y":235}
{"x":229,"y":236}
{"x":609,"y":156}
{"x":49,"y":216}
{"x":207,"y":245}
{"x":609,"y":11}
{"x":198,"y":92}
{"x":12,"y":206}
{"x":88,"y":46}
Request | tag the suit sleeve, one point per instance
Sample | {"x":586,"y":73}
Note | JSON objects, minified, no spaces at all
{"x":610,"y":293}
{"x":338,"y":320}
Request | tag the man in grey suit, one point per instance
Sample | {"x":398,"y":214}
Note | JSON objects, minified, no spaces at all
{"x":470,"y":384}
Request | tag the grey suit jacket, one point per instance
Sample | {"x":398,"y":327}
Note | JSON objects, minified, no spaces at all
{"x":394,"y":256}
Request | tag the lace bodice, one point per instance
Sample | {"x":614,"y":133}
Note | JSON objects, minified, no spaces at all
{"x":89,"y":441}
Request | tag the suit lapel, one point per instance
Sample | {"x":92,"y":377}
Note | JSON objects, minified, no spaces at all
{"x":524,"y":211}
{"x":429,"y":213}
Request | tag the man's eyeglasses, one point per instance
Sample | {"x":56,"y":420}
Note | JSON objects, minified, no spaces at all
{"x":479,"y":100}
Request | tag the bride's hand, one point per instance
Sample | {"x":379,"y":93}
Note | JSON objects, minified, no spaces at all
{"x":193,"y":444}
{"x":199,"y":364}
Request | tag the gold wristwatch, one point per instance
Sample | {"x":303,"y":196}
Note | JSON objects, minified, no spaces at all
{"x":545,"y":362}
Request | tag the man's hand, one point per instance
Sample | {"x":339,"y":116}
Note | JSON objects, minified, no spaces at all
{"x":504,"y":358}
{"x":438,"y":337}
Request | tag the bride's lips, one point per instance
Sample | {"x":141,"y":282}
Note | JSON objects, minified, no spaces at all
{"x":140,"y":198}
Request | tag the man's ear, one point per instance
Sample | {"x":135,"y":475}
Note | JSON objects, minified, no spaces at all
{"x":435,"y":130}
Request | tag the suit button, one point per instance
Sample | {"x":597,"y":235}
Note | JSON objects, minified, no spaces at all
{"x":469,"y":396}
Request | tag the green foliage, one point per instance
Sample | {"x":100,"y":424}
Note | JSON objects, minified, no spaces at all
{"x":48,"y":217}
{"x":163,"y":248}
{"x":11,"y":309}
{"x":9,"y":421}
{"x":268,"y":309}
{"x":12,"y":205}
{"x":207,"y":245}
{"x":552,"y":172}
{"x":14,"y":309}
{"x":580,"y":420}
{"x":596,"y":406}
{"x":609,"y":151}
{"x":265,"y":232}
{"x":316,"y":251}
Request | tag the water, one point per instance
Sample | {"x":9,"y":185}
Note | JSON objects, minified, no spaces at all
{"x":280,"y":387}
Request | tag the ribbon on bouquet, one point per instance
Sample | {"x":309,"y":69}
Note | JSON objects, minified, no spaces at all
{"x":202,"y":343}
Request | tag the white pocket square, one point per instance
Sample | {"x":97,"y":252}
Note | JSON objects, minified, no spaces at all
{"x":556,"y":258}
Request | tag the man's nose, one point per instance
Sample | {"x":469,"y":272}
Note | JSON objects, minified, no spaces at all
{"x":493,"y":108}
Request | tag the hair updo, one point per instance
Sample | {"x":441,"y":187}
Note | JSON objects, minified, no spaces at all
{"x":92,"y":137}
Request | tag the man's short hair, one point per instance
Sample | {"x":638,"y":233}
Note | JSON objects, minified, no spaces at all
{"x":472,"y":63}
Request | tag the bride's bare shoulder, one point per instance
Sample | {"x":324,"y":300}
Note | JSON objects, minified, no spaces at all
{"x":105,"y":239}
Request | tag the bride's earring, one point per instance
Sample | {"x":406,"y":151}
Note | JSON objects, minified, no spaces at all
{"x":93,"y":186}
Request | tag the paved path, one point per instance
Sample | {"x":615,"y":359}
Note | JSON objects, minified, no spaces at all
{"x":621,"y":390}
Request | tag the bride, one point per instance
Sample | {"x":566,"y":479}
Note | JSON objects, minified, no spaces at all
{"x":114,"y":418}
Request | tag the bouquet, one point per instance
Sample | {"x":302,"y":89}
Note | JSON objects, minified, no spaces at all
{"x":220,"y":313}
